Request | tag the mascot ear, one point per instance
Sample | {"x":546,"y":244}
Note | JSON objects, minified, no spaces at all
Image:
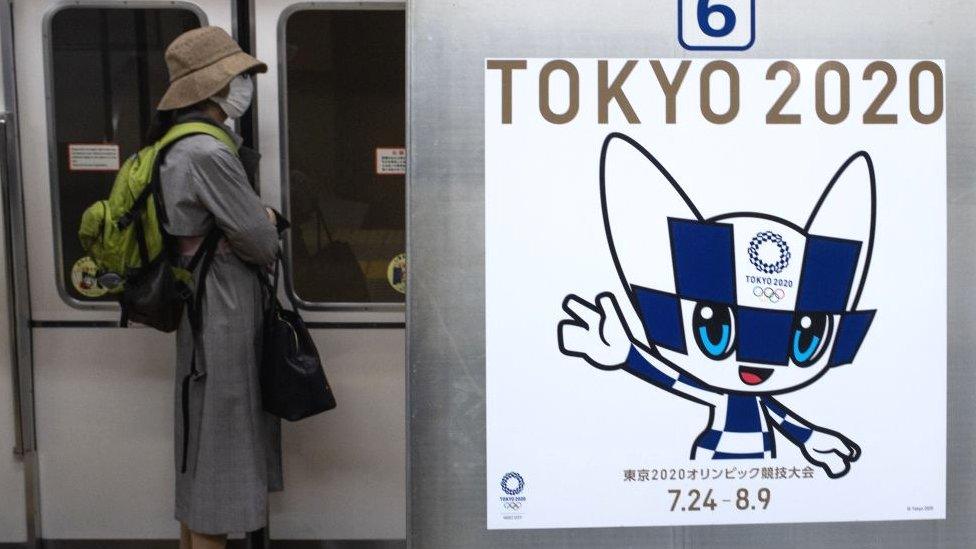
{"x":638,"y":196}
{"x":847,"y":210}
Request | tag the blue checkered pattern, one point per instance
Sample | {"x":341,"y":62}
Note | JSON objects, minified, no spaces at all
{"x":740,"y":424}
{"x":704,"y":270}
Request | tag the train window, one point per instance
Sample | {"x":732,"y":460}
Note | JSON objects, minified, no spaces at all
{"x":344,"y":167}
{"x":106,"y":74}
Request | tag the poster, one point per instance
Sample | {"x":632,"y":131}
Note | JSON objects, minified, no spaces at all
{"x":93,"y":157}
{"x":715,"y":291}
{"x":391,"y":161}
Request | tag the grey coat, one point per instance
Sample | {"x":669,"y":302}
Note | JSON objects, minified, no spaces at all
{"x":234,"y":447}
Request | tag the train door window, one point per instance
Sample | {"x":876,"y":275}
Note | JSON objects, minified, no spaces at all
{"x":106,"y":75}
{"x":344,"y":167}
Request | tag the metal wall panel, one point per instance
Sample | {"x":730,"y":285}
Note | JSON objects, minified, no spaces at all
{"x":13,"y":520}
{"x":448,"y":43}
{"x":16,"y":465}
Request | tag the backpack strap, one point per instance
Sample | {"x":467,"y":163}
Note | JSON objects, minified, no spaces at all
{"x":194,"y":305}
{"x":205,"y":254}
{"x":184,"y":129}
{"x":197,"y":126}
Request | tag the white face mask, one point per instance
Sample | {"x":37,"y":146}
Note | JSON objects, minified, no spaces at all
{"x":238,"y":99}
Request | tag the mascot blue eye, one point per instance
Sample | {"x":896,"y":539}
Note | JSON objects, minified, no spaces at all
{"x":714,"y":329}
{"x":811,"y":333}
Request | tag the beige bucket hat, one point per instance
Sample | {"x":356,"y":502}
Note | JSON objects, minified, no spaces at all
{"x":201,"y":62}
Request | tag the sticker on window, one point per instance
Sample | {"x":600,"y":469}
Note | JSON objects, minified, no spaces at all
{"x":93,"y":157}
{"x":396,"y":273}
{"x":84,"y":277}
{"x":391,"y":161}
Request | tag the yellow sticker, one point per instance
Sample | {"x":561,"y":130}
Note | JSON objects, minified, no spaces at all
{"x":84,"y":277}
{"x":396,"y":273}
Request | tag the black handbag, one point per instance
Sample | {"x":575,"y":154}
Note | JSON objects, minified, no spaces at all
{"x":293,"y":383}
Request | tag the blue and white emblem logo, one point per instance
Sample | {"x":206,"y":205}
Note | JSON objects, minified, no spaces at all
{"x":769,"y":253}
{"x":513,"y":483}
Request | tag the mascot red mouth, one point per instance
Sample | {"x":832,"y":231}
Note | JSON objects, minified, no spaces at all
{"x":754,"y":376}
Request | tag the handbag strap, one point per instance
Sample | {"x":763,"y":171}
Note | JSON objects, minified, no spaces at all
{"x":273,"y":285}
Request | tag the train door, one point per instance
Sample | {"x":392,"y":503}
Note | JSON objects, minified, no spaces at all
{"x":331,"y":121}
{"x":88,"y":75}
{"x":331,"y":130}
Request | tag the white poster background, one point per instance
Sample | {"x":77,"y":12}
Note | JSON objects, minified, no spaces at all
{"x":570,"y":430}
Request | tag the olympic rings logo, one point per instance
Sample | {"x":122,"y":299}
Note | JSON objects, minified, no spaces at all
{"x":774,"y":295}
{"x":775,"y":239}
{"x":520,"y":484}
{"x":513,"y":505}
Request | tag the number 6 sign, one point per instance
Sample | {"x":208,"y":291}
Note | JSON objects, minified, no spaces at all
{"x":717,"y":24}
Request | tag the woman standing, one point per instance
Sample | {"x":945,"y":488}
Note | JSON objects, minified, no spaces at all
{"x":228,"y":452}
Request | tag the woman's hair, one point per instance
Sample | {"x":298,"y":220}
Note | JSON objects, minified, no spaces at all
{"x":161,"y":123}
{"x":164,"y":120}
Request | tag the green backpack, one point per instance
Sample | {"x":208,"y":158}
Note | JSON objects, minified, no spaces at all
{"x":136,"y":259}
